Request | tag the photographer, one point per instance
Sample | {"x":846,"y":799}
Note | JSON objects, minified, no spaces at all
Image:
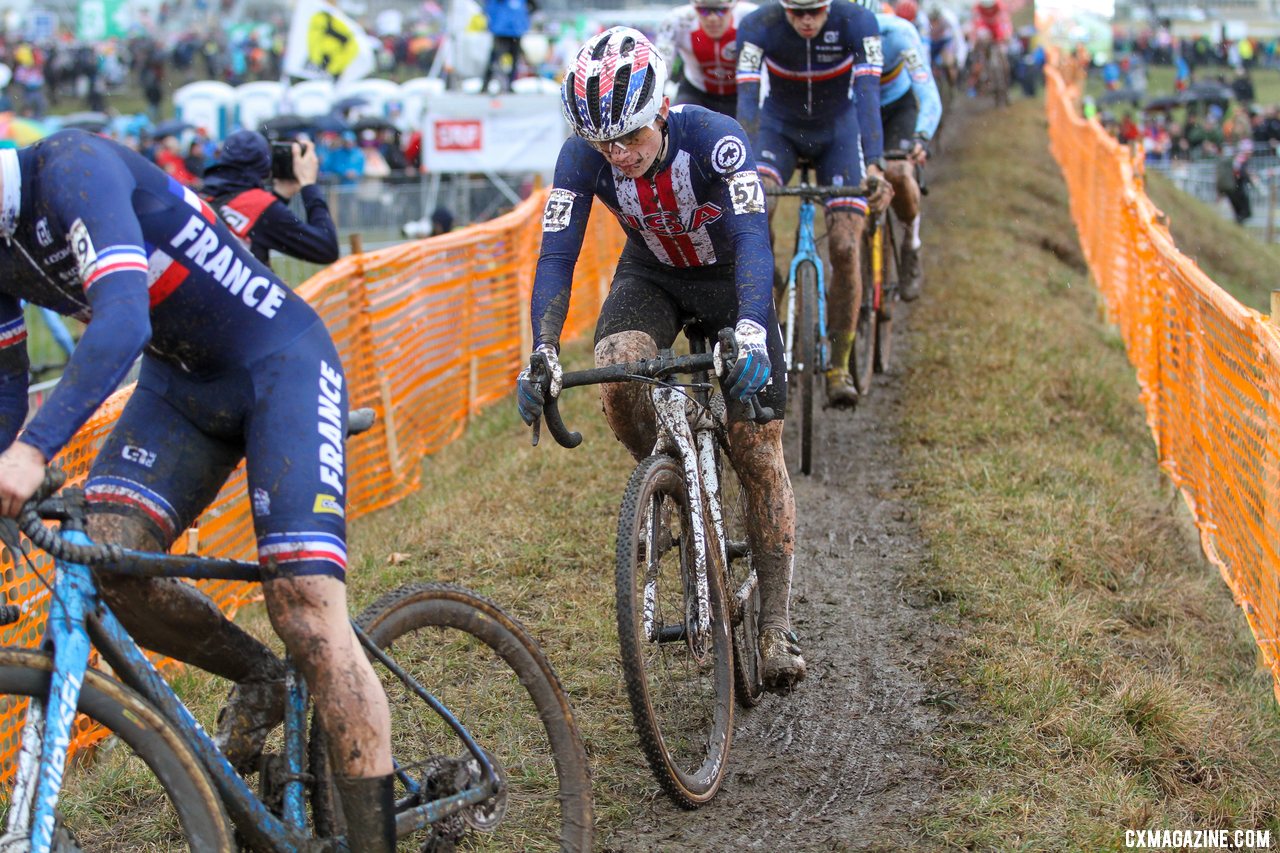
{"x":233,"y":186}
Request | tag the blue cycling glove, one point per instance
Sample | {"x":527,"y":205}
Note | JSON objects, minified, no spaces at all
{"x":529,"y":395}
{"x":751,"y":371}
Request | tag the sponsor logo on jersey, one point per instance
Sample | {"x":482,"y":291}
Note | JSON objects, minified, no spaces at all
{"x":728,"y":155}
{"x":329,"y":504}
{"x":332,"y":427}
{"x":830,"y":37}
{"x":668,"y":224}
{"x":261,"y":502}
{"x":558,"y":211}
{"x":206,"y":250}
{"x":43,"y":235}
{"x":142,"y":456}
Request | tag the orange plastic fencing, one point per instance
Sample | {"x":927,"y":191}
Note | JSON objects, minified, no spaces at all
{"x":430,"y":332}
{"x":1208,"y":367}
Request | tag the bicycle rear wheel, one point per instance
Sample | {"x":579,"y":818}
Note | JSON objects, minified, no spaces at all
{"x":862,"y":355}
{"x":152,"y":795}
{"x":808,"y":335}
{"x":494,"y":678}
{"x":743,"y":592}
{"x":679,"y":678}
{"x":890,"y":271}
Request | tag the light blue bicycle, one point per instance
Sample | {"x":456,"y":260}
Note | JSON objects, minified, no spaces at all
{"x":486,"y":780}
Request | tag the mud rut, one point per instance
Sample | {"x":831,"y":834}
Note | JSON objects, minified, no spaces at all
{"x":843,"y":763}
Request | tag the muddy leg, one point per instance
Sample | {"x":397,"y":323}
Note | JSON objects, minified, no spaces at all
{"x":756,"y":453}
{"x":310,"y":615}
{"x":172,"y":617}
{"x":627,"y":405}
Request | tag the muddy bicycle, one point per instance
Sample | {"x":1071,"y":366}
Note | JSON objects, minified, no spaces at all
{"x":686,"y":593}
{"x":806,"y":345}
{"x":462,"y":769}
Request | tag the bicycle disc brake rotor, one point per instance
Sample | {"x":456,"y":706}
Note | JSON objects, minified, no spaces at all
{"x":485,"y":816}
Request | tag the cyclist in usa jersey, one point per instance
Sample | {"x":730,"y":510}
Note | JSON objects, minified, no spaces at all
{"x":910,"y":109}
{"x":823,"y":61}
{"x":683,"y":185}
{"x":234,"y":366}
{"x":703,"y":37}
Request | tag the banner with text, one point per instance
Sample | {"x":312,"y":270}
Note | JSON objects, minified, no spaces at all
{"x":477,"y":133}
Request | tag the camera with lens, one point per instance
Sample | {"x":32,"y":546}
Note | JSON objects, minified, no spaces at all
{"x":282,"y":160}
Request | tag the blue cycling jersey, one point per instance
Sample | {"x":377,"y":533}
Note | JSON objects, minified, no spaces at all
{"x":236,"y":365}
{"x":704,"y":206}
{"x":906,"y":69}
{"x":813,"y":82}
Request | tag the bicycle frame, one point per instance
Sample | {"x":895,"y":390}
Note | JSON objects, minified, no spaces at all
{"x":806,"y":252}
{"x":77,"y":614}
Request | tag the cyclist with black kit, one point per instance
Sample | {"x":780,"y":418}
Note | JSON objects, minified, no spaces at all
{"x":234,"y":366}
{"x":823,"y":59}
{"x":683,"y":185}
{"x":702,"y":37}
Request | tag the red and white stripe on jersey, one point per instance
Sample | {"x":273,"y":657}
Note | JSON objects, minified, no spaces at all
{"x":115,"y":259}
{"x":189,"y":196}
{"x":668,"y":201}
{"x":817,"y":75}
{"x":125,"y":492}
{"x":866,"y":71}
{"x":324,"y":549}
{"x":13,"y":332}
{"x":710,"y":70}
{"x":164,"y":274}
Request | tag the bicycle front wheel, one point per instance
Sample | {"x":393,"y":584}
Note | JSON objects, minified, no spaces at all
{"x":743,"y":591}
{"x":676,"y":661}
{"x":493,"y":677}
{"x":142,"y":789}
{"x":808,"y":337}
{"x":862,"y":355}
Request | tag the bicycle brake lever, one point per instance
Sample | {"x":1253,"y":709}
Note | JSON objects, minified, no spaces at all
{"x":760,"y":414}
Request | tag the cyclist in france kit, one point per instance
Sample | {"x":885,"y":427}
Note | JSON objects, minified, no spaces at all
{"x":703,"y":37}
{"x":682,"y":183}
{"x":234,"y":365}
{"x":910,"y":109}
{"x":823,"y":60}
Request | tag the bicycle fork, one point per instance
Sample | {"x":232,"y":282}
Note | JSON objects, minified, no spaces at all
{"x":46,"y":734}
{"x":806,"y":252}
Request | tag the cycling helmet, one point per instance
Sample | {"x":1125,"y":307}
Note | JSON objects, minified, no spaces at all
{"x":813,"y":4}
{"x":987,"y":4}
{"x":906,"y":9}
{"x":613,"y":86}
{"x":713,"y":4}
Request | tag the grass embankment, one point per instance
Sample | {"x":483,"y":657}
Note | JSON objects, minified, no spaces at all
{"x":1232,"y":256}
{"x":1107,"y":681}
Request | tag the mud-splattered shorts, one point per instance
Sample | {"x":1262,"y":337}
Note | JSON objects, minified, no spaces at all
{"x":180,"y":437}
{"x":657,"y":299}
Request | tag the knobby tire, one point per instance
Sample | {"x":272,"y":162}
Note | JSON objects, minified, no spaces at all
{"x":150,"y":737}
{"x":745,"y":619}
{"x":807,"y":340}
{"x":681,"y":698}
{"x":487,"y":669}
{"x":862,"y":355}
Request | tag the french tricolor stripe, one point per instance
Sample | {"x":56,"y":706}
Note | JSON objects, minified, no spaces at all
{"x":115,"y":259}
{"x":302,"y":547}
{"x":866,"y":71}
{"x":164,"y":274}
{"x":768,"y":171}
{"x":858,"y":205}
{"x":194,"y":201}
{"x":125,"y":492}
{"x":817,"y":75}
{"x":748,"y":78}
{"x":13,"y":332}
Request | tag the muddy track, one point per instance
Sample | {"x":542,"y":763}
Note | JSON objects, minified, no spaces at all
{"x":844,"y":763}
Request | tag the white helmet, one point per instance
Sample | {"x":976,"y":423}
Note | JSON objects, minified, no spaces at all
{"x":806,"y":4}
{"x":613,"y":86}
{"x":714,"y":4}
{"x":869,"y":5}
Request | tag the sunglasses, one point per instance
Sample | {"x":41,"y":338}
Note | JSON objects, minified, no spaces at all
{"x":708,"y":11}
{"x":806,"y":13}
{"x":625,"y":143}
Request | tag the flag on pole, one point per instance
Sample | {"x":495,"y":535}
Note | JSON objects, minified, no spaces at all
{"x":325,"y":43}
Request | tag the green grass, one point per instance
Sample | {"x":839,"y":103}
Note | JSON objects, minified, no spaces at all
{"x":1266,"y":84}
{"x":1241,"y":263}
{"x":1110,"y":681}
